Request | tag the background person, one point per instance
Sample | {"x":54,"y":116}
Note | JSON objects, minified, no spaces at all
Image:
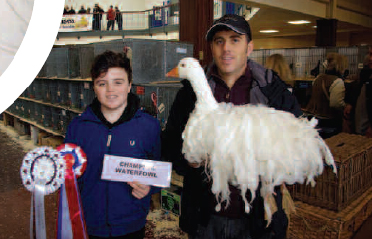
{"x":277,"y":63}
{"x":327,"y":100}
{"x":111,"y":15}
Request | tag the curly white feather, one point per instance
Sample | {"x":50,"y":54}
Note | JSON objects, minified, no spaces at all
{"x":246,"y":144}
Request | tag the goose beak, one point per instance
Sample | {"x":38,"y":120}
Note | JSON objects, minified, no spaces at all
{"x":173,"y":73}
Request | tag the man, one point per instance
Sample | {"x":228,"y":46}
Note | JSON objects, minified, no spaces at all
{"x":236,"y":79}
{"x":114,"y":124}
{"x":66,"y":10}
{"x":72,"y":10}
{"x":111,"y":15}
{"x":97,"y":17}
{"x":363,"y":110}
{"x":119,"y":18}
{"x":82,"y":10}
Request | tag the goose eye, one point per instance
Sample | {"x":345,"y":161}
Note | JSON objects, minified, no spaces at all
{"x":182,"y":65}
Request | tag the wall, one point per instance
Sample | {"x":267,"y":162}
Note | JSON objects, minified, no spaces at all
{"x":124,"y":5}
{"x":343,"y":39}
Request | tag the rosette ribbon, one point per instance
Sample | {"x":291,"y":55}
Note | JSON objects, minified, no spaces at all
{"x":42,"y":173}
{"x":71,"y":224}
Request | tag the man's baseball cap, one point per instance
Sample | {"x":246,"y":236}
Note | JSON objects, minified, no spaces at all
{"x":230,"y":21}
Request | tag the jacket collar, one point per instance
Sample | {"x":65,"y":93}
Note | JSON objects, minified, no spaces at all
{"x":94,"y":113}
{"x":260,"y":75}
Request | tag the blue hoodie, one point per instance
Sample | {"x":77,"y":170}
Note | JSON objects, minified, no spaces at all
{"x":109,"y":207}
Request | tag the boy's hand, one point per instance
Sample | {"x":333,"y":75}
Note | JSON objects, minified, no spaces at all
{"x":139,"y":190}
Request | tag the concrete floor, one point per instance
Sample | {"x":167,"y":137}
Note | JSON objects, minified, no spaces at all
{"x":15,"y":199}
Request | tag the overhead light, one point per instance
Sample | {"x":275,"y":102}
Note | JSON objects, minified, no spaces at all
{"x":315,"y":26}
{"x":269,"y":31}
{"x":299,"y":22}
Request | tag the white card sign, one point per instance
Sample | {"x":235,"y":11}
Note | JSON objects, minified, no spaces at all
{"x":125,"y":169}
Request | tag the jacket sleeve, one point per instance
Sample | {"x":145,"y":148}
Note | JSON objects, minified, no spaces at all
{"x":183,"y":105}
{"x":337,"y":94}
{"x":69,"y":137}
{"x":156,"y":153}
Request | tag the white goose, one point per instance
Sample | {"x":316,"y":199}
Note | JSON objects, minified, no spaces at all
{"x":244,"y":144}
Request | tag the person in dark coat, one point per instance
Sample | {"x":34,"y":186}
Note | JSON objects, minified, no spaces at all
{"x":97,"y":17}
{"x":233,"y":78}
{"x":119,"y":18}
{"x":114,"y":125}
{"x":363,"y":98}
{"x":72,"y":11}
{"x":82,"y":10}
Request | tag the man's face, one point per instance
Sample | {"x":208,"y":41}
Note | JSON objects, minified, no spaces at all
{"x":230,"y":51}
{"x":370,"y":58}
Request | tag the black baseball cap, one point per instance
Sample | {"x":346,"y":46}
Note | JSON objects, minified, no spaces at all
{"x":230,"y":21}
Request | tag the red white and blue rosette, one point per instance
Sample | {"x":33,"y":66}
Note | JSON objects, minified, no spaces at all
{"x":42,"y":173}
{"x":71,"y":224}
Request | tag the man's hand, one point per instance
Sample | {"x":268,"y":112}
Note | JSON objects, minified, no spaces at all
{"x":369,"y":132}
{"x":197,"y":165}
{"x":347,"y":111}
{"x":139,"y":190}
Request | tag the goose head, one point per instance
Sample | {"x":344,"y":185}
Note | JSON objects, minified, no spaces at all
{"x":186,"y":69}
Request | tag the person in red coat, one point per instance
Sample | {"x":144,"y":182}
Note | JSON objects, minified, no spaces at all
{"x":111,"y":14}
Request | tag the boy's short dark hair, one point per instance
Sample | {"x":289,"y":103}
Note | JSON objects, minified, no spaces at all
{"x":109,"y":59}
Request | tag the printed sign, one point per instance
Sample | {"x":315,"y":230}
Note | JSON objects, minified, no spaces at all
{"x":78,"y":22}
{"x":181,"y":50}
{"x":125,"y":169}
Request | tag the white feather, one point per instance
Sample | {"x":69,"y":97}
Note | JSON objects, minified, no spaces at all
{"x":249,"y":143}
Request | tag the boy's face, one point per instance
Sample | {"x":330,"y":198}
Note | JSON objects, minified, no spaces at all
{"x":230,"y":51}
{"x":112,"y":89}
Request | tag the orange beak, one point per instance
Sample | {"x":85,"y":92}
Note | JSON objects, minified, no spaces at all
{"x":173,"y":73}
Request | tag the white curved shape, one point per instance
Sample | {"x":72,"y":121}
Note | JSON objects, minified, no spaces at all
{"x":35,"y":47}
{"x":15,"y":16}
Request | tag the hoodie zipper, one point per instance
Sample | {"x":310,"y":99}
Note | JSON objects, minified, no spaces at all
{"x":108,"y":145}
{"x":109,"y":141}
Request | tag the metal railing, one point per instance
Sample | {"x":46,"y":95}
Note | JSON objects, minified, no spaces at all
{"x":137,"y":20}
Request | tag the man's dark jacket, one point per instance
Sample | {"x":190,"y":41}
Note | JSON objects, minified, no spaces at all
{"x":267,"y":88}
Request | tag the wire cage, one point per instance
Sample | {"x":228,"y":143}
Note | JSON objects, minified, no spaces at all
{"x":157,"y":99}
{"x":38,"y":113}
{"x":55,"y":115}
{"x":86,"y":95}
{"x":26,"y":109}
{"x":31,"y":108}
{"x":63,"y":93}
{"x":46,"y":92}
{"x":38,"y":88}
{"x":156,"y":56}
{"x":64,"y":120}
{"x":46,"y":116}
{"x":31,"y":90}
{"x":53,"y":89}
{"x":74,"y":94}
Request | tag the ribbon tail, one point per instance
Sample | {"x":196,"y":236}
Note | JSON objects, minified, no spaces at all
{"x":32,"y":217}
{"x":72,"y":194}
{"x":64,"y":226}
{"x":81,"y":210}
{"x":40,"y":212}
